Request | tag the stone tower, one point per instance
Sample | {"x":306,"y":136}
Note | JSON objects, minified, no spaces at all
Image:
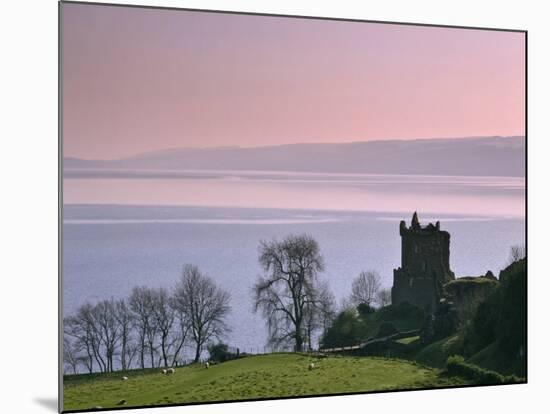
{"x":424,"y":265}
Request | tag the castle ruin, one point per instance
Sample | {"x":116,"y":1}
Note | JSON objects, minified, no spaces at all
{"x":424,"y":265}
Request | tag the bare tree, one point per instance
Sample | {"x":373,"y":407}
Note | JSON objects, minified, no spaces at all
{"x":326,"y":306}
{"x":182,"y":327}
{"x":517,"y":252}
{"x":365,"y":287}
{"x":104,"y":313}
{"x":85,"y":328}
{"x":125,"y":321}
{"x":204,"y":304}
{"x":383,"y":297}
{"x":163,"y":316}
{"x":346,"y":304}
{"x":311,"y":324}
{"x":285,"y":294}
{"x":86,"y":362}
{"x":75,"y":330}
{"x":141,"y":304}
{"x":70,"y":355}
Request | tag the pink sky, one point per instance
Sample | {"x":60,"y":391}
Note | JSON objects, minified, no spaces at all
{"x":136,"y":80}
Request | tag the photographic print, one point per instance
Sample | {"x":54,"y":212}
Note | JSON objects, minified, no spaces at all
{"x":261,"y":206}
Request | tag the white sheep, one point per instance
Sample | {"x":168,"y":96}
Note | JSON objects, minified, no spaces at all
{"x":311,"y":366}
{"x":164,"y":371}
{"x":207,"y":365}
{"x":170,"y":371}
{"x":124,"y":378}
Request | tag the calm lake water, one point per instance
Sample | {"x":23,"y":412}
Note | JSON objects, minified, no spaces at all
{"x":141,"y":229}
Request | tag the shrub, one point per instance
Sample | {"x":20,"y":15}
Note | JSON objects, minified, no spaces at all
{"x":457,"y":366}
{"x":220,"y":353}
{"x":344,"y":331}
{"x":403,"y":310}
{"x":437,"y":353}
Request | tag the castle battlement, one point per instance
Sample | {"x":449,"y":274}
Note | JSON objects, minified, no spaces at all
{"x":417,"y":228}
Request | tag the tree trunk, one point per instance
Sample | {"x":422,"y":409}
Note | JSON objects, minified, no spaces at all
{"x":163,"y":348}
{"x":152,"y":354}
{"x":298,"y":335}
{"x":90,"y":359}
{"x":299,"y":342}
{"x":197,"y":353}
{"x":176,"y":353}
{"x":123,"y":355}
{"x":142,"y":354}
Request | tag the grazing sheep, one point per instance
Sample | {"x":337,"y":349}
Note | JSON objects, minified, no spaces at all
{"x":121,"y":402}
{"x":311,"y":366}
{"x":124,"y":378}
{"x":164,"y":371}
{"x":170,"y":371}
{"x":207,"y":365}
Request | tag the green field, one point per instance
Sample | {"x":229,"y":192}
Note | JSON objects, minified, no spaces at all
{"x":262,"y":376}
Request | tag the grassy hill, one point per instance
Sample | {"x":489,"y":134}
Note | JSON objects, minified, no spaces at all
{"x":254,"y":377}
{"x":436,"y":354}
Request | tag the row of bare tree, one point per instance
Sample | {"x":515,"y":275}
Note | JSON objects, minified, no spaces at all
{"x":150,"y":328}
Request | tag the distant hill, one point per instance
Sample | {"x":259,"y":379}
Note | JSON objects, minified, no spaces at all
{"x":478,"y":156}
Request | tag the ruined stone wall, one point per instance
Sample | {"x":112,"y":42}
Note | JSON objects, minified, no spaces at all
{"x":418,"y":291}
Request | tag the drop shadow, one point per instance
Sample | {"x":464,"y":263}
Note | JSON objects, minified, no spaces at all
{"x":49,"y":403}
